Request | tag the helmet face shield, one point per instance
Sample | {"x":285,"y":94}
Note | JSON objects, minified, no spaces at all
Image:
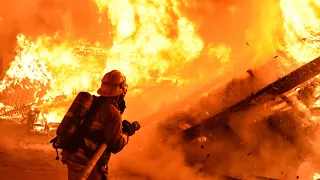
{"x":124,"y":87}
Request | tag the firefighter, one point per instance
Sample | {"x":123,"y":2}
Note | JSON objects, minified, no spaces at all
{"x":32,"y":118}
{"x":106,"y":127}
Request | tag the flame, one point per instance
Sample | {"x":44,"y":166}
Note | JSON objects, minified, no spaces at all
{"x":302,"y":36}
{"x":152,"y":43}
{"x":222,"y":52}
{"x":38,"y":128}
{"x":302,"y":29}
{"x":52,"y":68}
{"x":55,"y":67}
{"x":54,"y":115}
{"x":150,"y":37}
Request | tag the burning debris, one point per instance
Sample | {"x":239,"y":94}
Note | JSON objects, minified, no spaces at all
{"x":268,"y":93}
{"x":31,"y":117}
{"x":292,"y":111}
{"x":17,"y":111}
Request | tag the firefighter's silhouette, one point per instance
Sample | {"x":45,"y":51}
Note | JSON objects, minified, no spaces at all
{"x":32,"y":117}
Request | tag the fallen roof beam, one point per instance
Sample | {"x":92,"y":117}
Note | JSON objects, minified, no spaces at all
{"x":282,"y":85}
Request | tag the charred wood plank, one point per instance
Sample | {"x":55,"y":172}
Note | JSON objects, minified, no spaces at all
{"x":282,"y":85}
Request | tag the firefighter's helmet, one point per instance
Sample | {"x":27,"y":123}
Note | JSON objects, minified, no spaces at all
{"x":113,"y":84}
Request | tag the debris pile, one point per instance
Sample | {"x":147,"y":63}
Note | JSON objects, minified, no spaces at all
{"x":286,"y":109}
{"x":15,"y":111}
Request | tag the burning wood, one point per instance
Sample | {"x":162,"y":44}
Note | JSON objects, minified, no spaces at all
{"x":17,"y":110}
{"x":288,"y":82}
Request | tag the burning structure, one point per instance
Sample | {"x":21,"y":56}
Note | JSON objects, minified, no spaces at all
{"x":287,"y":108}
{"x":166,"y":51}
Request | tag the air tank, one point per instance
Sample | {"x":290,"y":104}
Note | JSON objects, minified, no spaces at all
{"x":74,"y":116}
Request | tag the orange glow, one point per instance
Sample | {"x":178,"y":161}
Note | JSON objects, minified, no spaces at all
{"x":302,"y":29}
{"x":54,"y":69}
{"x":302,"y":34}
{"x":145,"y":44}
{"x":153,"y":42}
{"x":145,"y":51}
{"x":158,"y":42}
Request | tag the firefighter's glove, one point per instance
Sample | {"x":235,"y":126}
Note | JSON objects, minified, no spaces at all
{"x":122,"y":106}
{"x":54,"y":140}
{"x":128,"y":128}
{"x":55,"y":143}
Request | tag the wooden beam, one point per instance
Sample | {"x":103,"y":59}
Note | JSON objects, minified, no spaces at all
{"x":282,"y":85}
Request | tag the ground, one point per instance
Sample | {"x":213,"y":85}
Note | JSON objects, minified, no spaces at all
{"x":31,"y":157}
{"x":27,"y":157}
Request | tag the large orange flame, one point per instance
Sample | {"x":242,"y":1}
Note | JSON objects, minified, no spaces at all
{"x":302,"y":33}
{"x":148,"y":43}
{"x":302,"y":29}
{"x":150,"y":37}
{"x":153,"y":41}
{"x":52,"y":67}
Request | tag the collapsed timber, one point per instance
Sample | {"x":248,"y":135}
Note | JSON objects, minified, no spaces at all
{"x":214,"y":137}
{"x":270,"y":92}
{"x":19,"y":110}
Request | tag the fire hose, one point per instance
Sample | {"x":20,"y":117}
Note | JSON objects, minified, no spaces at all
{"x":96,"y":156}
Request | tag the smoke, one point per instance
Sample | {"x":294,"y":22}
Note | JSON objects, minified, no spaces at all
{"x":259,"y":141}
{"x":255,"y":143}
{"x":146,"y":157}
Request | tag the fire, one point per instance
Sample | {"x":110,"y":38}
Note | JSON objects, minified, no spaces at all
{"x":52,"y":68}
{"x":302,"y":29}
{"x":56,"y":68}
{"x":150,"y":39}
{"x":152,"y":43}
{"x":302,"y":35}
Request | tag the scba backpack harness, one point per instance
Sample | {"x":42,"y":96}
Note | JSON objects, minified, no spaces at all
{"x":76,"y":121}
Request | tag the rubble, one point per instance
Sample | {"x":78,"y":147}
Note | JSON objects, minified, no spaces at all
{"x":17,"y":110}
{"x":268,"y":93}
{"x":204,"y":125}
